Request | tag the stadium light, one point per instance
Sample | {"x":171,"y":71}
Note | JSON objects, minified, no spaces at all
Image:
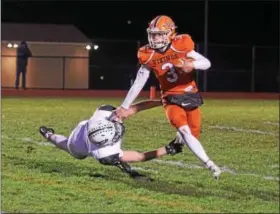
{"x":95,"y":47}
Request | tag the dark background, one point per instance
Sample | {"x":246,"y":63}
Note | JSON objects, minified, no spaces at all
{"x":233,"y":29}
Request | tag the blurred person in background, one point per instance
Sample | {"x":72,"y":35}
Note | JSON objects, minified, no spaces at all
{"x":23,"y":53}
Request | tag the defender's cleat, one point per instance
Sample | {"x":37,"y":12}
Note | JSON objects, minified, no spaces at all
{"x":216,"y":171}
{"x":45,"y":131}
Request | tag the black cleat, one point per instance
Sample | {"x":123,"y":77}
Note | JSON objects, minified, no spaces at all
{"x":44,"y":130}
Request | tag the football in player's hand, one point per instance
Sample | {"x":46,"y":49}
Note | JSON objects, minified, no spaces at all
{"x":184,"y":64}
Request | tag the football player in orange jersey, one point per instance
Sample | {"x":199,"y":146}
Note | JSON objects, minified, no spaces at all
{"x":172,"y":58}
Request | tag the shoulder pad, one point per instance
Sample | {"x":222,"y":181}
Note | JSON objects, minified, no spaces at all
{"x":183,"y":42}
{"x":144,"y":54}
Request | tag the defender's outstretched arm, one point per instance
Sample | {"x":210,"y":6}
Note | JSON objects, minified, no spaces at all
{"x":141,"y":106}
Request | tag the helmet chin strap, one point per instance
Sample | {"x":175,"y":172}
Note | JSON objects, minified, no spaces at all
{"x":163,"y":48}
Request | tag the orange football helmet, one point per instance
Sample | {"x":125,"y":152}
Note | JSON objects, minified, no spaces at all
{"x":161,"y":31}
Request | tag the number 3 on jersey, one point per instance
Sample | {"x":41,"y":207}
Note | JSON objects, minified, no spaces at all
{"x":172,"y":76}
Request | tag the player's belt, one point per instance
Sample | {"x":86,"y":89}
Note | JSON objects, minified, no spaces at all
{"x":187,"y":100}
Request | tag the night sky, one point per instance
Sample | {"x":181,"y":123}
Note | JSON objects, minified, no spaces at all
{"x":229,"y":22}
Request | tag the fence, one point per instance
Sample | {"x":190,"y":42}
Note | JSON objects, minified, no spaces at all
{"x":240,"y":68}
{"x":114,"y":66}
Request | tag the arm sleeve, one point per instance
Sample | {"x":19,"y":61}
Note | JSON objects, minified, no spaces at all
{"x":201,"y":62}
{"x":141,"y":79}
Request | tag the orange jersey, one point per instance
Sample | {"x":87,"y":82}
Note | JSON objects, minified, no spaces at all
{"x":171,"y":80}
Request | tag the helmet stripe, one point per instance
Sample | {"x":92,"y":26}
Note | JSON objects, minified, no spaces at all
{"x":156,"y":21}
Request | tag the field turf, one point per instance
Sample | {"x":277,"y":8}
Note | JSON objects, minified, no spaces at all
{"x":240,"y":136}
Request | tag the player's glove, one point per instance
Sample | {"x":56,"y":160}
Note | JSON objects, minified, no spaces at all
{"x":112,"y":160}
{"x":174,"y":147}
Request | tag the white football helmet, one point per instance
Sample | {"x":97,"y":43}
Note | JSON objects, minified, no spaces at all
{"x":101,"y":132}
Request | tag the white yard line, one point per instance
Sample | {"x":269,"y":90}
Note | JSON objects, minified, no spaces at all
{"x":224,"y":169}
{"x":236,"y":129}
{"x":271,"y":123}
{"x":145,"y":170}
{"x":165,"y":162}
{"x":178,"y":163}
{"x":26,"y":139}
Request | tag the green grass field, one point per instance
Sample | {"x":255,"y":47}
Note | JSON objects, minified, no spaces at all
{"x":241,"y":136}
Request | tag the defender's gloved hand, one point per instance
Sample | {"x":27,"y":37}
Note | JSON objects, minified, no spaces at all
{"x":174,"y":147}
